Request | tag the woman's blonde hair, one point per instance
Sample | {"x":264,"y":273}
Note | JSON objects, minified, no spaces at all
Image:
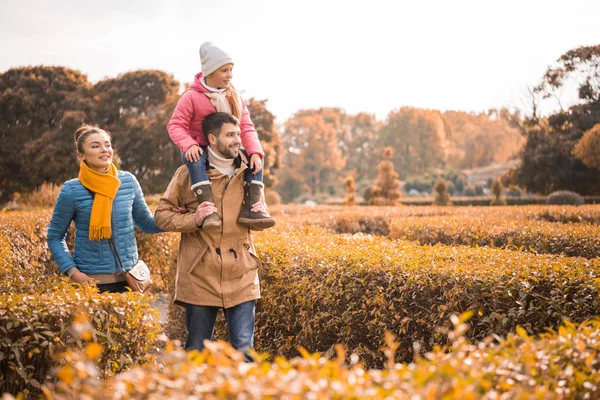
{"x":235,"y":102}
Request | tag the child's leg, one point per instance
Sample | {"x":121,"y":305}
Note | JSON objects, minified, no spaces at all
{"x":197,"y":169}
{"x":250,"y":176}
{"x":201,"y":187}
{"x":253,"y":193}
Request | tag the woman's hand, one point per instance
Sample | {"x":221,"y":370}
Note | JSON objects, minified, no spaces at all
{"x":80,"y":277}
{"x":204,"y":210}
{"x":193,"y":153}
{"x":255,"y":162}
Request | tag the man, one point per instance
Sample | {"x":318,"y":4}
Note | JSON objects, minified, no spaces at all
{"x":217,"y":268}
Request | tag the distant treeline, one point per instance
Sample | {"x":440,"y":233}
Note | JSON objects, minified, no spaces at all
{"x":314,"y":150}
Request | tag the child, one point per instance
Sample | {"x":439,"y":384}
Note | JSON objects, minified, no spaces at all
{"x":212,"y":91}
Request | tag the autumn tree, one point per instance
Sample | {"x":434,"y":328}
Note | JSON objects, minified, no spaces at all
{"x":41,"y":107}
{"x":312,"y":151}
{"x":290,"y":185}
{"x":350,"y":199}
{"x":54,"y":149}
{"x":588,"y":148}
{"x":136,"y":107}
{"x":34,"y":102}
{"x":264,"y":122}
{"x":480,"y":139}
{"x":548,"y":162}
{"x":357,"y":138}
{"x":418,"y":138}
{"x":386,"y":189}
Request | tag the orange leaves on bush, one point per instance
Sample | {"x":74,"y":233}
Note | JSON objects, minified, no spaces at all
{"x":555,"y":365}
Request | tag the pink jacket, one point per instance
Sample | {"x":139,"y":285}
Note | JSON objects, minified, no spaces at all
{"x":185,"y":126}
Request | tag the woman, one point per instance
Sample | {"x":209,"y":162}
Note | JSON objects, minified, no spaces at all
{"x":105,"y":204}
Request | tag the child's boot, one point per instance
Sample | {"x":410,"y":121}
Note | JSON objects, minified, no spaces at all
{"x":203,"y":193}
{"x":253,"y":193}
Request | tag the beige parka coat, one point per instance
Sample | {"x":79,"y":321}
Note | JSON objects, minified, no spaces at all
{"x":216,"y":267}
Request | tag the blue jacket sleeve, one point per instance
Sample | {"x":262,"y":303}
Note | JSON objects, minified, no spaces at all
{"x":63,"y":214}
{"x":142,"y":217}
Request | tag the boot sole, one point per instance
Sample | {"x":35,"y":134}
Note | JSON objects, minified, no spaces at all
{"x":257,"y":223}
{"x":212,"y":223}
{"x":211,"y":226}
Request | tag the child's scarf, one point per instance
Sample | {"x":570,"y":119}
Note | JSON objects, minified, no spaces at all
{"x":105,"y":188}
{"x":221,"y":102}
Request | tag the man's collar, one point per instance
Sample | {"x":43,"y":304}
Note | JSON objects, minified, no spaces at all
{"x":237,"y":162}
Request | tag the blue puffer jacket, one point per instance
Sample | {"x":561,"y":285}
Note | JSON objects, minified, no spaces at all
{"x":74,"y":203}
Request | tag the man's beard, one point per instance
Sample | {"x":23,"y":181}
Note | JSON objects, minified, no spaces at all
{"x":228,"y":152}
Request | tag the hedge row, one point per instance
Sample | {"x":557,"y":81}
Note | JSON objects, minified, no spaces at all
{"x":26,"y":264}
{"x":320,"y":289}
{"x":484,"y":229}
{"x":475,"y":201}
{"x":486,"y":201}
{"x":559,"y":365}
{"x":23,"y":235}
{"x":38,"y":307}
{"x":34,"y":327}
{"x":293,"y":217}
{"x":574,"y":240}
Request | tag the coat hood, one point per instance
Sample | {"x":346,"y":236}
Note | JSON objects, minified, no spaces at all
{"x":197,"y":85}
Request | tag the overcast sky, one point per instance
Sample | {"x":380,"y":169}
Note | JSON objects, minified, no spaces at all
{"x":372,"y":56}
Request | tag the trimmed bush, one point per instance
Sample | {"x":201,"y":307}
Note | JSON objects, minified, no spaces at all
{"x":574,"y":240}
{"x":34,"y":327}
{"x":565,"y":197}
{"x":442,"y":198}
{"x":386,"y":189}
{"x":27,"y":263}
{"x":498,"y":190}
{"x":558,"y":365}
{"x":37,"y":308}
{"x":320,"y":289}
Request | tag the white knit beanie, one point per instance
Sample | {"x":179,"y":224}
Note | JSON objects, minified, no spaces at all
{"x":212,"y":58}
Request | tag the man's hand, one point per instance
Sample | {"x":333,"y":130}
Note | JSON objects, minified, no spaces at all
{"x":204,"y":210}
{"x":260,"y":207}
{"x":193,"y":153}
{"x":180,"y":210}
{"x":255,"y":162}
{"x":80,"y":277}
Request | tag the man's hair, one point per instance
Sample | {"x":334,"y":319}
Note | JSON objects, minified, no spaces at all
{"x":212,"y":123}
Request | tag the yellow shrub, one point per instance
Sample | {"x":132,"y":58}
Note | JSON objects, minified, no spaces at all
{"x":576,"y":240}
{"x":559,"y":365}
{"x":33,"y":327}
{"x":319,"y":289}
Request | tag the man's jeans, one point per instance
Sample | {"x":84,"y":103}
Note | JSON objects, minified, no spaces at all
{"x":200,"y":321}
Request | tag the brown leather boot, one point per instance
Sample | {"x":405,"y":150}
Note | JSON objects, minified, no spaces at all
{"x":256,"y":221}
{"x":203,"y":193}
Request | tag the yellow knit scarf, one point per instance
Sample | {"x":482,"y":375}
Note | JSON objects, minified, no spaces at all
{"x":105,"y":188}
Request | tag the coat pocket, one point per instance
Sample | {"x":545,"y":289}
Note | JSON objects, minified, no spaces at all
{"x":251,"y":260}
{"x":191,"y":253}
